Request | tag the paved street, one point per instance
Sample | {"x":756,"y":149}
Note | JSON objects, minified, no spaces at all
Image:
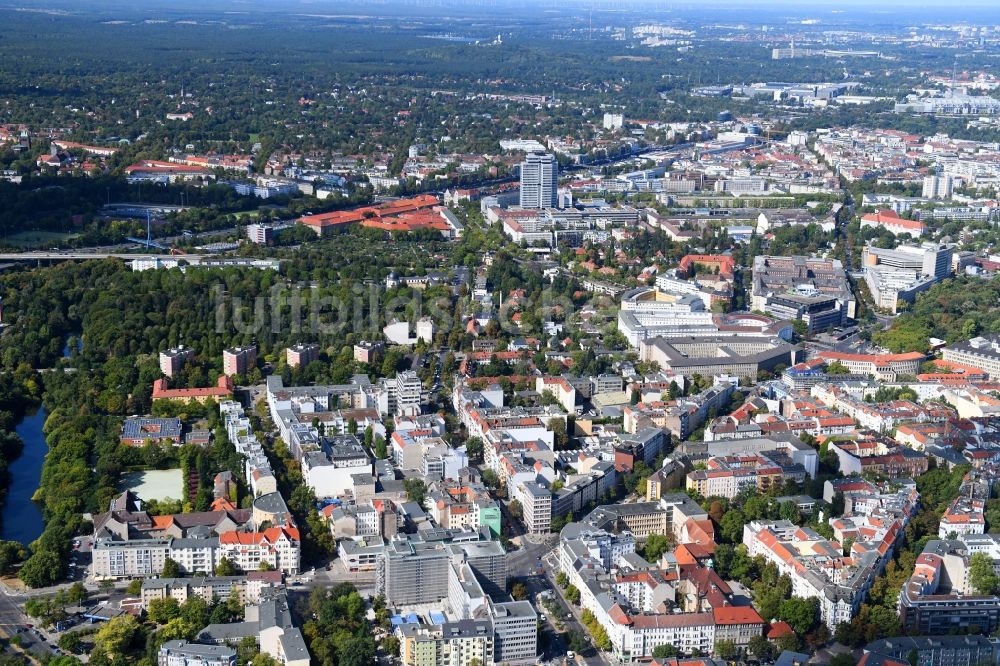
{"x":535,"y":563}
{"x":12,"y":618}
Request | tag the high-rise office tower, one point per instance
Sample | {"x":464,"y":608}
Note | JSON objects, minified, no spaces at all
{"x":539,"y":181}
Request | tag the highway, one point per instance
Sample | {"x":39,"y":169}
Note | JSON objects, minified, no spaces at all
{"x":83,"y":255}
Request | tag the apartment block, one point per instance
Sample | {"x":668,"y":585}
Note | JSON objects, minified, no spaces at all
{"x":182,"y":653}
{"x":937,"y":599}
{"x":238,"y":360}
{"x":461,"y":643}
{"x":173,"y":359}
{"x":301,"y":354}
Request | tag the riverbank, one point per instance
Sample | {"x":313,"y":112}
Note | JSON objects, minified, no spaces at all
{"x":21,"y":516}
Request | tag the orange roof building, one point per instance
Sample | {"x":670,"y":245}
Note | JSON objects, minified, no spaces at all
{"x":893,"y":223}
{"x":386,"y":215}
{"x":223,"y":390}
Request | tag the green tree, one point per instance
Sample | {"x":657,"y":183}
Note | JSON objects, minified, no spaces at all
{"x":170,"y":569}
{"x":790,"y":512}
{"x":474,"y":449}
{"x":42,"y":569}
{"x":725,"y":649}
{"x":70,"y":641}
{"x":656,"y":545}
{"x":761,"y":648}
{"x":226,"y":568}
{"x":515,"y":509}
{"x":731,"y":527}
{"x":666,"y":651}
{"x":76,"y":594}
{"x":982,"y":577}
{"x":11,"y":554}
{"x":161,"y":611}
{"x":801,"y":614}
{"x":115,"y":637}
{"x":416,"y":490}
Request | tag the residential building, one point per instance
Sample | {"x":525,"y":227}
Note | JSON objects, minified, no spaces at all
{"x":270,"y":622}
{"x":247,"y":588}
{"x":818,"y":567}
{"x":238,"y":360}
{"x":182,"y":653}
{"x":728,"y":476}
{"x":301,"y":355}
{"x":938,"y":187}
{"x":936,"y":650}
{"x":330,"y":467}
{"x":963,"y":516}
{"x":173,"y":359}
{"x":938,"y":599}
{"x":279,"y":547}
{"x":460,"y":643}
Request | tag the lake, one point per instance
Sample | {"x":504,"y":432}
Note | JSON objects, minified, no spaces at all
{"x":22,"y":518}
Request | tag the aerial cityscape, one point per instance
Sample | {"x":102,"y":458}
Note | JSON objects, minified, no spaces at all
{"x":462,"y":333}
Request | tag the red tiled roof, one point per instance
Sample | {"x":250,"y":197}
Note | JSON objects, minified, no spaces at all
{"x":371,"y":214}
{"x":223,"y":387}
{"x":737,"y":615}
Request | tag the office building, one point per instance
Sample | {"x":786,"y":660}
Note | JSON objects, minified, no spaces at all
{"x":238,"y":360}
{"x":734,"y":356}
{"x":902,"y":273}
{"x":515,"y":632}
{"x":539,"y":181}
{"x":814,"y":290}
